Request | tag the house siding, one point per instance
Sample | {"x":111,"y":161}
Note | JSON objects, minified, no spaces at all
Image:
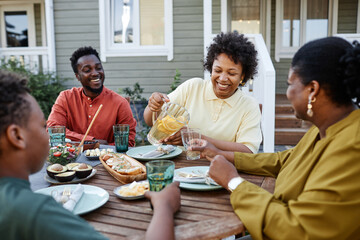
{"x":347,"y":16}
{"x":37,"y":14}
{"x":216,"y":16}
{"x":77,"y":25}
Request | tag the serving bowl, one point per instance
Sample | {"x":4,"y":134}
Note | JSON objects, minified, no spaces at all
{"x":124,"y":178}
{"x":89,"y":144}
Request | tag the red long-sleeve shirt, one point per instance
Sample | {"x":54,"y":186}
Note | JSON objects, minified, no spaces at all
{"x":74,"y":110}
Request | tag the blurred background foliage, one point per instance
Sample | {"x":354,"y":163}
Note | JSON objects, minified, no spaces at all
{"x":45,"y":87}
{"x":138,"y":103}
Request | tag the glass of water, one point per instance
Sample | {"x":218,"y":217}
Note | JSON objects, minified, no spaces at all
{"x":160,"y":173}
{"x":57,"y":135}
{"x":121,"y":137}
{"x":189,"y":136}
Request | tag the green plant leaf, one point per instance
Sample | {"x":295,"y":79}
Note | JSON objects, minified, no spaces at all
{"x":176,"y":82}
{"x":45,"y":87}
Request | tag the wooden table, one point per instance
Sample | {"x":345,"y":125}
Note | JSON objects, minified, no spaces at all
{"x":203,"y":215}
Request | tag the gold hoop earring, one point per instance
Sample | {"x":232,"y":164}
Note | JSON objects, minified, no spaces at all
{"x":241,"y":83}
{"x":310,"y":112}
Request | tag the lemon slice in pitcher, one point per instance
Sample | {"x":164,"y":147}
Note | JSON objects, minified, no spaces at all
{"x":161,"y":128}
{"x":171,"y":124}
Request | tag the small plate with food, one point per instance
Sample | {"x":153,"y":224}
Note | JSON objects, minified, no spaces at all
{"x":132,"y":191}
{"x":88,"y":144}
{"x":94,"y":154}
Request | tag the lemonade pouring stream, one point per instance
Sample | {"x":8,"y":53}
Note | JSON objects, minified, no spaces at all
{"x":171,"y":119}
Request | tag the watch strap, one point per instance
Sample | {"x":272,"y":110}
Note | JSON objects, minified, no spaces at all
{"x":234,"y":182}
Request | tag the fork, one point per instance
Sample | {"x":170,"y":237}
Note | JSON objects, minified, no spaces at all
{"x":67,"y":191}
{"x":66,"y":194}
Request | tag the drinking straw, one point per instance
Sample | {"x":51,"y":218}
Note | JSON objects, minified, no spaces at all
{"x":87,"y":131}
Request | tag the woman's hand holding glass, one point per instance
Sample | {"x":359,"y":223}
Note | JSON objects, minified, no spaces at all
{"x":207,"y":149}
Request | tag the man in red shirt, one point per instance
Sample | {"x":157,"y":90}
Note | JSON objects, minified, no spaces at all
{"x":76,"y":107}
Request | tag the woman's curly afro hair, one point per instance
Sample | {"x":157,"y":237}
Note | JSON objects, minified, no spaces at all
{"x":238,"y":48}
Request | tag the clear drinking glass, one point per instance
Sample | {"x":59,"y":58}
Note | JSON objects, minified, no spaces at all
{"x":189,"y":136}
{"x":160,"y":173}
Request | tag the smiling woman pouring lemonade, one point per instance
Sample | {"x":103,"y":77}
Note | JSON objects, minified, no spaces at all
{"x":225,"y":116}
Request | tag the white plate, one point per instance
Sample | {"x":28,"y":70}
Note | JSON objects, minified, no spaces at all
{"x":196,"y":186}
{"x":75,"y":180}
{"x":116,"y":192}
{"x":134,"y":153}
{"x":93,"y":197}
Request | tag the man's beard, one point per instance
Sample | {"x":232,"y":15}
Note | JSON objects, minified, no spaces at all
{"x":95,"y":90}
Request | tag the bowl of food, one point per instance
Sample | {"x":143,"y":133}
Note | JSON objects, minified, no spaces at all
{"x":94,"y":154}
{"x":89,"y":144}
{"x":123,"y":168}
{"x":63,"y":154}
{"x":132,"y":191}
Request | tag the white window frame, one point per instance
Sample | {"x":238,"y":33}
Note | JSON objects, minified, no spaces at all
{"x":288,"y":52}
{"x":29,"y":9}
{"x":358,"y":18}
{"x":109,"y":49}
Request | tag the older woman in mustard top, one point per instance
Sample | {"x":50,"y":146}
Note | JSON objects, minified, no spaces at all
{"x":317,"y":191}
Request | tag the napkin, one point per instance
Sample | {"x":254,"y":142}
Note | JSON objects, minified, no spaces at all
{"x":70,"y":202}
{"x":199,"y":178}
{"x":188,"y":177}
{"x":161,"y":150}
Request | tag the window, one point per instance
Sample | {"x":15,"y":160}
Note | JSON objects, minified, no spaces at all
{"x":298,"y":22}
{"x":136,"y":28}
{"x":122,"y":17}
{"x":16,"y":29}
{"x":250,"y":17}
{"x":17,"y":26}
{"x":245,"y":16}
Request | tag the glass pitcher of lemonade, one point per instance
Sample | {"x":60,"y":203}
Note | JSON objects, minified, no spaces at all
{"x":171,"y":119}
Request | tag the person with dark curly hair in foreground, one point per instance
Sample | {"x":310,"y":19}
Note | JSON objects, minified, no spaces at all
{"x":75,"y":108}
{"x":225,"y":116}
{"x":24,"y":146}
{"x":317,"y":190}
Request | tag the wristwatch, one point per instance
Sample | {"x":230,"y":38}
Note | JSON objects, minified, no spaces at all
{"x":234,"y":182}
